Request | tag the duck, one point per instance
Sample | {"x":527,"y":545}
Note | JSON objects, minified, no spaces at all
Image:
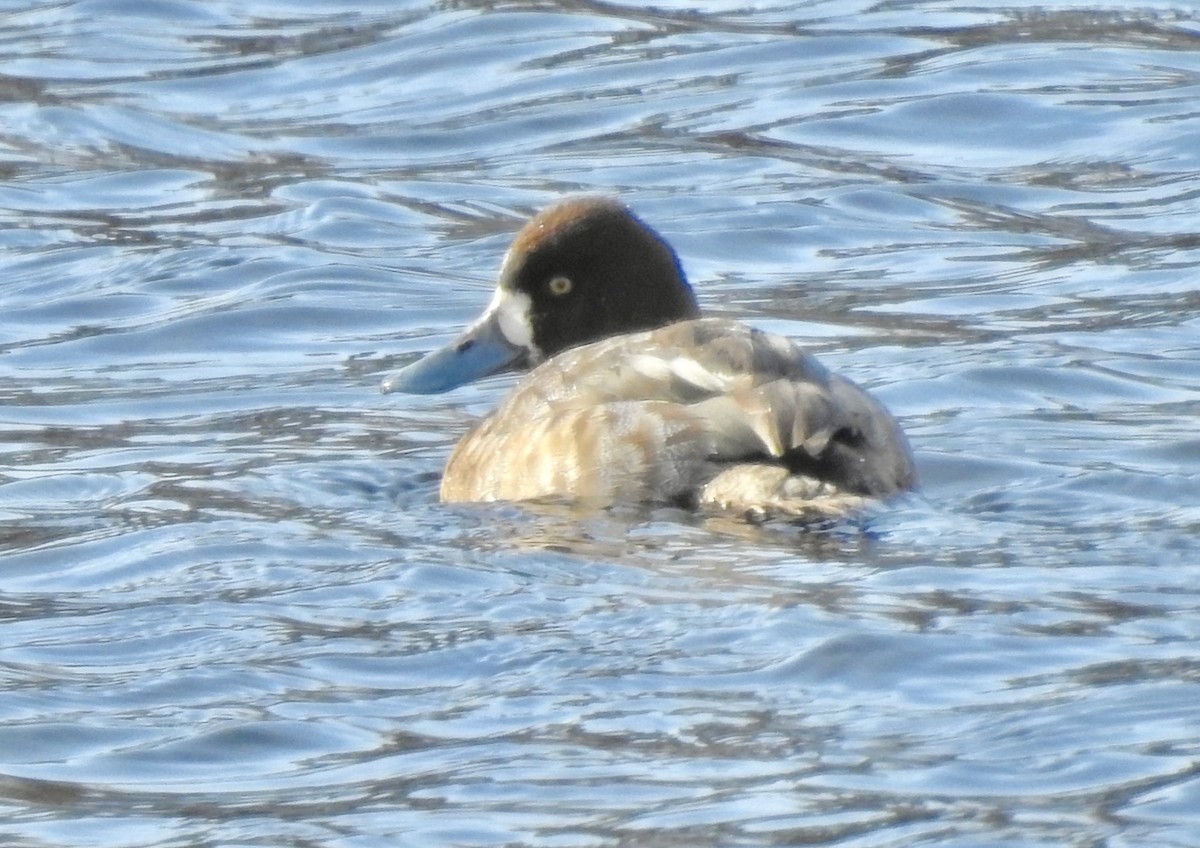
{"x":633,"y":397}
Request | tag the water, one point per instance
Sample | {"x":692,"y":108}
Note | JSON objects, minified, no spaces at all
{"x":232,"y":611}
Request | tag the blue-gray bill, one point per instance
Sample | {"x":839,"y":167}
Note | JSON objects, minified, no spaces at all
{"x":480,"y":351}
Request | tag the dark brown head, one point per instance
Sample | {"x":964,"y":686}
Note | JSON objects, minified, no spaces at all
{"x":591,"y":269}
{"x":582,"y":270}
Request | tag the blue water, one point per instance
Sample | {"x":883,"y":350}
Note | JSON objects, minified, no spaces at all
{"x":232,"y":611}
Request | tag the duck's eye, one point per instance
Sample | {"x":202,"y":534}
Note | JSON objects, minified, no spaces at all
{"x":560,"y":285}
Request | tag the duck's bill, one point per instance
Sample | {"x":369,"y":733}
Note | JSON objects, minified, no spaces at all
{"x":482,"y":350}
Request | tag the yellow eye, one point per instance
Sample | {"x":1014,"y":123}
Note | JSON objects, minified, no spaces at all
{"x":560,"y":285}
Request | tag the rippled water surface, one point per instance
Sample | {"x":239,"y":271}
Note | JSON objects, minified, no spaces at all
{"x":232,"y":611}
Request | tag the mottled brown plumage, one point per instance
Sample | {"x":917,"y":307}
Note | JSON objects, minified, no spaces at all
{"x":705,"y":412}
{"x":636,"y":399}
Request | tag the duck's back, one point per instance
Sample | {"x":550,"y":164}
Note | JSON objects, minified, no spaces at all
{"x":703,"y":412}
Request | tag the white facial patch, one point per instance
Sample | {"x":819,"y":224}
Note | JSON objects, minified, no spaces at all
{"x":510,"y":311}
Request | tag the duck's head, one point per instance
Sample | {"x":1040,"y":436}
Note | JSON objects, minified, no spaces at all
{"x":581,"y":270}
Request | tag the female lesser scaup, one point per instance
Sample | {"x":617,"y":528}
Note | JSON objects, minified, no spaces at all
{"x":635,"y":398}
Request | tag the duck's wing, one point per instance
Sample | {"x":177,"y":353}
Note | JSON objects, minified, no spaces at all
{"x":757,"y":394}
{"x":656,"y":416}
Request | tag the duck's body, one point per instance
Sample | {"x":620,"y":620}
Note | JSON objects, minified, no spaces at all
{"x":699,"y":412}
